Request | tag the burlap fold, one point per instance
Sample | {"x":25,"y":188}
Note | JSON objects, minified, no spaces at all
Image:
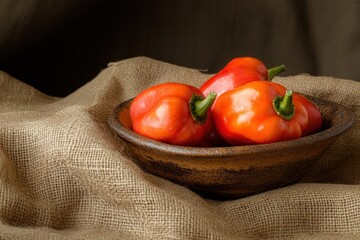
{"x":63,"y":174}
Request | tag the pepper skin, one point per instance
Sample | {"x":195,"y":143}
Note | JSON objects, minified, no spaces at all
{"x":237,"y":72}
{"x":173,"y":113}
{"x":263,"y":112}
{"x":316,"y":118}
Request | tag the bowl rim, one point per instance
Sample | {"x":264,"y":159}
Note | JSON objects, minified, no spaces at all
{"x":329,"y":133}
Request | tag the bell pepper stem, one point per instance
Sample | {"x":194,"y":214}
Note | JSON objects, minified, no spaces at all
{"x":272,"y":72}
{"x":284,"y":106}
{"x":200,"y":106}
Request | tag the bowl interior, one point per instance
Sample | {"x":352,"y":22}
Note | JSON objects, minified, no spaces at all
{"x":337,"y":119}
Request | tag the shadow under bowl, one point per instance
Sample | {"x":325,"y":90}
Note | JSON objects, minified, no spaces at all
{"x":235,"y":171}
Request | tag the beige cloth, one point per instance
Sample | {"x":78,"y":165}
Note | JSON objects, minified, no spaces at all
{"x":64,"y":175}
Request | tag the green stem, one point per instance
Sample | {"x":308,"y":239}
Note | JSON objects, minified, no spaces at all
{"x":284,"y":106}
{"x":200,"y":106}
{"x":272,"y":72}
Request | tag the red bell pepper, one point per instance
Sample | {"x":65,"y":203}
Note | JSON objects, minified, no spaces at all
{"x":238,"y":72}
{"x":173,"y":113}
{"x":263,"y":112}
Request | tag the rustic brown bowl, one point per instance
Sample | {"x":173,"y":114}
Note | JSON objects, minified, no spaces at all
{"x":235,"y":171}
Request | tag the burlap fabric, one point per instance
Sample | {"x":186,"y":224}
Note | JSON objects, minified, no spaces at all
{"x":64,"y":175}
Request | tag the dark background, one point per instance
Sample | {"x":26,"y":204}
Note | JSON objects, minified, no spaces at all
{"x":58,"y":46}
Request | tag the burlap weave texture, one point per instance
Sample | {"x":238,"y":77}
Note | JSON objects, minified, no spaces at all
{"x":64,"y":175}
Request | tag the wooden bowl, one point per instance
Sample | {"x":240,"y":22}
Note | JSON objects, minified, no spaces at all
{"x":235,"y":171}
